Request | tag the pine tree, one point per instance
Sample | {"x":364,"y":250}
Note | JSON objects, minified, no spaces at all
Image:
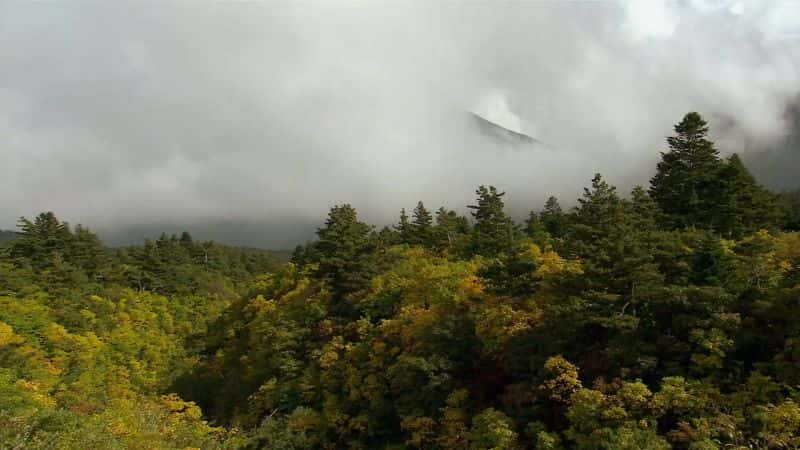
{"x":450,"y":232}
{"x":646,"y":212}
{"x":712,"y":265}
{"x":684,"y":184}
{"x":535,"y":230}
{"x":403,"y":228}
{"x":41,"y":240}
{"x":345,"y":251}
{"x":494,"y":232}
{"x":186,"y":239}
{"x":421,"y":226}
{"x":553,"y":218}
{"x":87,"y":253}
{"x":154,"y":268}
{"x":743,"y":205}
{"x":387,"y":237}
{"x":790,"y":202}
{"x":611,"y":240}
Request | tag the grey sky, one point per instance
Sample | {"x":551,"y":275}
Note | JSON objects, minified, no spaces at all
{"x":120,"y":115}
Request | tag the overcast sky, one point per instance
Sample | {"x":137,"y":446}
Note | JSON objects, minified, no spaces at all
{"x":252,"y":119}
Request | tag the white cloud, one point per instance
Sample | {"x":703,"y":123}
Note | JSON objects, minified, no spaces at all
{"x":116,"y":113}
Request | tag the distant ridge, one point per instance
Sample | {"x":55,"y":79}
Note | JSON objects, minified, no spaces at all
{"x":6,"y":235}
{"x":498,"y":131}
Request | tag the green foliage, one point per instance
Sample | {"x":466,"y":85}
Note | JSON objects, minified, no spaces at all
{"x":791,"y":206}
{"x":696,"y":188}
{"x":492,"y":430}
{"x":403,"y":227}
{"x":345,"y":251}
{"x":494,"y":232}
{"x":421,"y":227}
{"x":712,"y":263}
{"x":684,"y":184}
{"x":553,"y":218}
{"x":451,"y":233}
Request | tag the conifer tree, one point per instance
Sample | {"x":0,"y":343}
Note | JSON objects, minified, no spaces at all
{"x":421,"y":226}
{"x":712,"y":265}
{"x":790,"y":202}
{"x":684,"y":184}
{"x":41,"y":240}
{"x":387,"y":237}
{"x":645,"y":211}
{"x":607,"y":236}
{"x":553,"y":218}
{"x":87,"y":253}
{"x":186,"y":239}
{"x":535,"y":230}
{"x":494,"y":232}
{"x":451,"y":230}
{"x":743,"y":205}
{"x":345,"y":250}
{"x":403,"y":227}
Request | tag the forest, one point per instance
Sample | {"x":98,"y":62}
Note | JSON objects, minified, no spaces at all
{"x":662,"y":318}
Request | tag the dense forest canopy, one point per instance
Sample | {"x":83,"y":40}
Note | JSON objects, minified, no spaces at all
{"x":661,"y":318}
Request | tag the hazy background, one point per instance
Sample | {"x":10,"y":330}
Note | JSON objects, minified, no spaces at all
{"x":245,"y":122}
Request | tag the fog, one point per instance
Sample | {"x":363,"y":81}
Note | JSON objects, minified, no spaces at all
{"x":245,"y":122}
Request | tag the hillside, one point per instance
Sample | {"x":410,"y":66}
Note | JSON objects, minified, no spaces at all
{"x":660,"y":318}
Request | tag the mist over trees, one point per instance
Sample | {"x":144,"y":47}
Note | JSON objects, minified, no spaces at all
{"x":660,"y":318}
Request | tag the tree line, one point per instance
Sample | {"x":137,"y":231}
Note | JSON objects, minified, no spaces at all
{"x":660,"y":319}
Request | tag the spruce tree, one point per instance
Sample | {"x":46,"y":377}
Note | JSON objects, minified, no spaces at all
{"x":712,"y":265}
{"x":421,"y":226}
{"x":684,"y":184}
{"x":403,"y":228}
{"x":743,"y":205}
{"x":345,"y":249}
{"x":611,"y":241}
{"x":450,"y":232}
{"x":41,"y":240}
{"x":494,"y":232}
{"x":87,"y":253}
{"x":535,"y":230}
{"x":553,"y":218}
{"x":646,"y":212}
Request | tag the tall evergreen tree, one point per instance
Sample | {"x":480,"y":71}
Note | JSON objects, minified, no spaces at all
{"x":451,"y":231}
{"x":87,"y":253}
{"x":421,"y":226}
{"x":684,"y":184}
{"x":553,"y":218}
{"x":494,"y":232}
{"x":345,"y":251}
{"x":608,"y":237}
{"x":403,"y":228}
{"x":535,"y":230}
{"x":41,"y":240}
{"x":743,"y":205}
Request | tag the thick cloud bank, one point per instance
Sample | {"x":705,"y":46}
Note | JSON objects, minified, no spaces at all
{"x":147,"y":115}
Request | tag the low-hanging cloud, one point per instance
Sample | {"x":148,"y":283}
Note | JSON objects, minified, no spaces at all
{"x":119,"y":115}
